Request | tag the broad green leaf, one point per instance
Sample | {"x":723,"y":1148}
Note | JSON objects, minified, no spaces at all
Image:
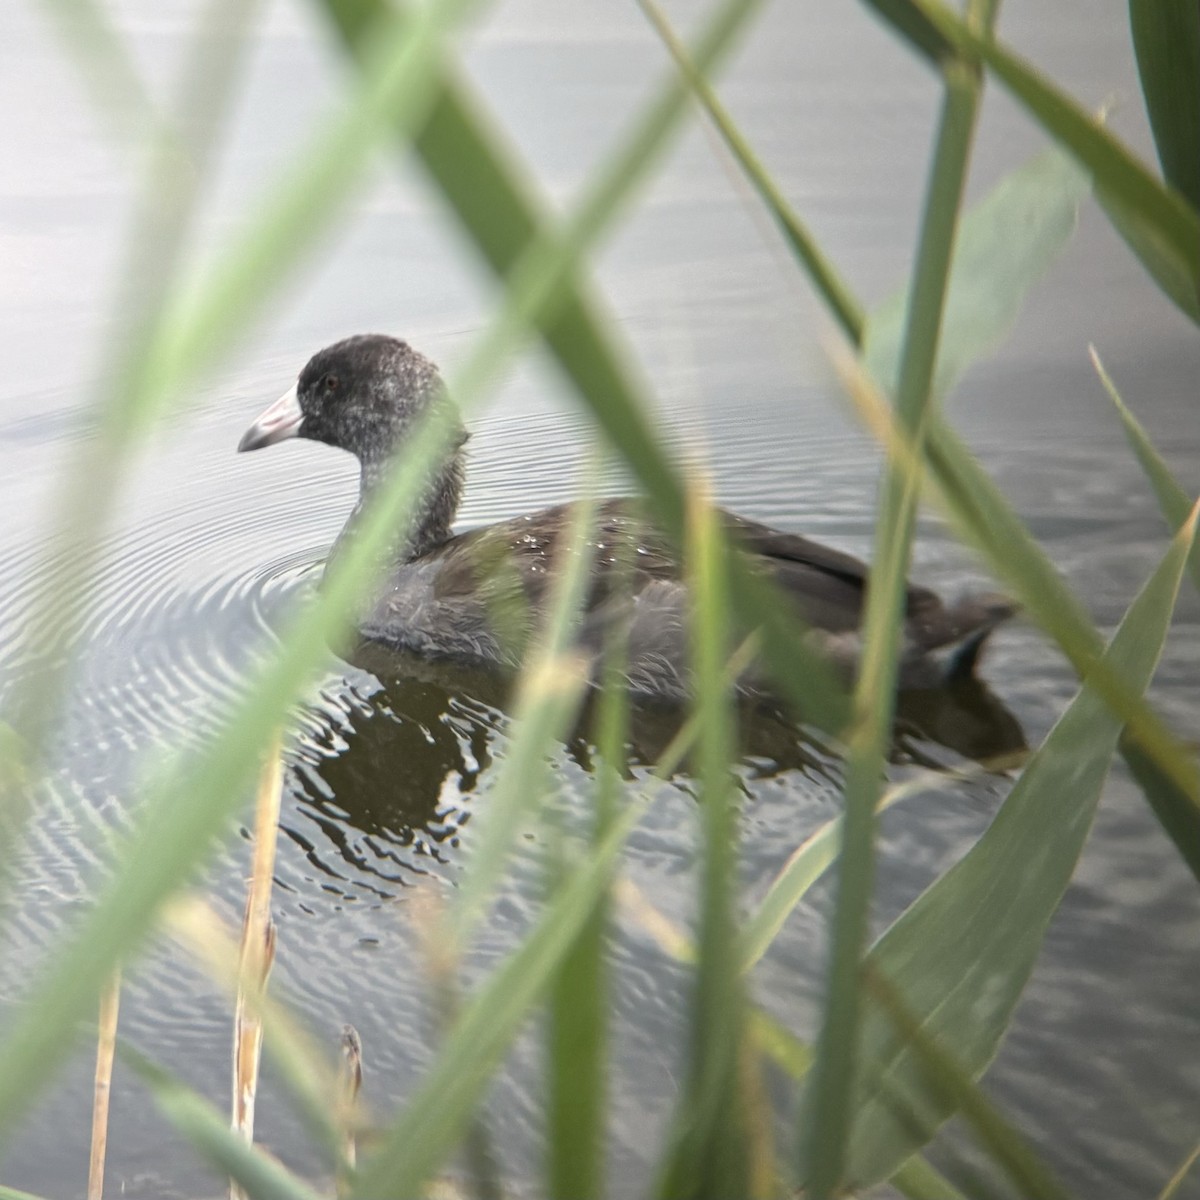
{"x":1174,"y":808}
{"x":1166,"y":37}
{"x":1157,"y":222}
{"x":955,"y":1088}
{"x":962,"y":953}
{"x":1170,"y":271}
{"x":208,"y":1132}
{"x":1005,"y":244}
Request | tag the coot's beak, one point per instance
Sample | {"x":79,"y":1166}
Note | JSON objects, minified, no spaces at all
{"x":280,"y":421}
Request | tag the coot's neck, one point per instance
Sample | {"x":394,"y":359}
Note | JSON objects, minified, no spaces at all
{"x":432,"y":519}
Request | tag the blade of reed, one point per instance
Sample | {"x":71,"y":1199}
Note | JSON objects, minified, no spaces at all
{"x":1156,"y":221}
{"x":1005,"y":243}
{"x":257,"y":949}
{"x":83,"y":504}
{"x":830,"y":286}
{"x":549,"y":693}
{"x":435,"y":1116}
{"x":350,"y":1079}
{"x":829,"y":1115}
{"x":963,"y":951}
{"x":580,"y":998}
{"x":208,"y":1132}
{"x":1174,"y":502}
{"x":709,"y":1154}
{"x":1166,"y":39}
{"x":7,"y":1193}
{"x":469,"y":163}
{"x":957,"y":1089}
{"x":106,"y":67}
{"x":918,"y":1179}
{"x":916,"y":29}
{"x":1171,"y":1190}
{"x":1175,"y":809}
{"x":106,"y":1047}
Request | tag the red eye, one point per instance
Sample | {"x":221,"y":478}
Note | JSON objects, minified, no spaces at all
{"x":330,"y":382}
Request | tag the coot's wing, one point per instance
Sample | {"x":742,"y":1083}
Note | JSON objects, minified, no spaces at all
{"x":828,"y":585}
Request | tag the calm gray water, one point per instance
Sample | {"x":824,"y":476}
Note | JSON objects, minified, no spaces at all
{"x":1101,"y":1064}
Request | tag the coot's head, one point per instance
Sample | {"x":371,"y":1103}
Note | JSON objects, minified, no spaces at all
{"x":362,"y":395}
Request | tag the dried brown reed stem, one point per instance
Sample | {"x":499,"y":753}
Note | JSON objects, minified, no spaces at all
{"x":350,"y":1083}
{"x":106,"y":1046}
{"x":257,"y":951}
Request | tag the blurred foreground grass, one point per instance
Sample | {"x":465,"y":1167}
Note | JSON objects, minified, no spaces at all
{"x":910,"y":1024}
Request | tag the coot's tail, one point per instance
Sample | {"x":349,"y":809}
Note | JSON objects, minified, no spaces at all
{"x":973,"y":618}
{"x":945,"y":647}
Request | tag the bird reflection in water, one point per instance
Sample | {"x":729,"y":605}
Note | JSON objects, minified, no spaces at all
{"x":405,"y":757}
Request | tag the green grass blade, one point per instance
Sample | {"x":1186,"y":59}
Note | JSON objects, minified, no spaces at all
{"x":956,"y":1089}
{"x":105,"y":65}
{"x":918,"y":1180}
{"x":1157,"y":222}
{"x":1166,"y":38}
{"x":7,"y":1193}
{"x":830,"y":286}
{"x":436,"y":1115}
{"x":577,"y":1053}
{"x":916,"y":29}
{"x":710,"y":1152}
{"x":579,"y":1042}
{"x":208,"y":1132}
{"x":961,"y":954}
{"x":1171,"y":1190}
{"x":1005,"y":244}
{"x":166,"y":205}
{"x":829,"y":1115}
{"x":549,"y":694}
{"x":1173,"y":807}
{"x":1174,"y":502}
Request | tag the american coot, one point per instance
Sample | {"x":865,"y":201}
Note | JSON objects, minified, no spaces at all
{"x":473,"y":597}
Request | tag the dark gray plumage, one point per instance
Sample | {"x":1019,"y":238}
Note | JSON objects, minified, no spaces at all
{"x":476,"y":596}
